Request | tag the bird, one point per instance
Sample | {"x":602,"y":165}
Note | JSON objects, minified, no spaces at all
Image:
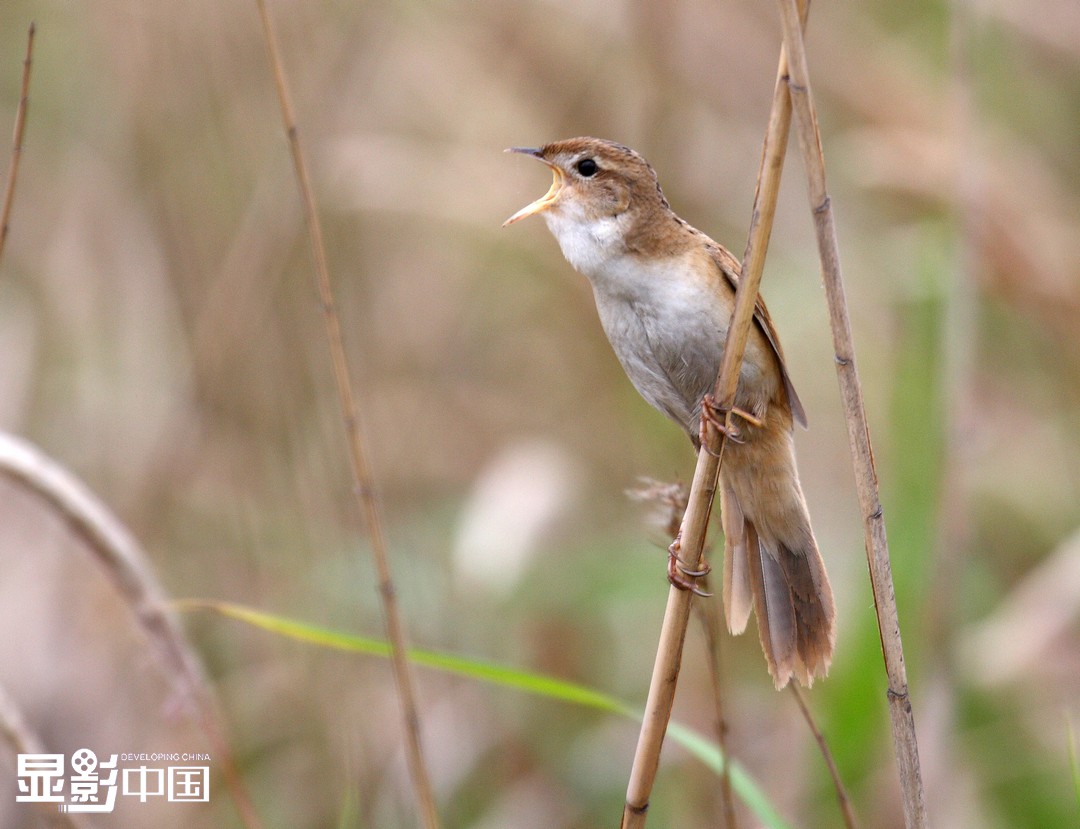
{"x":664,"y":293}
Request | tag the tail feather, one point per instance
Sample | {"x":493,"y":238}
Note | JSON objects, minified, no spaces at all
{"x":777,"y":622}
{"x":772,"y":562}
{"x":738,"y":595}
{"x":791,"y":598}
{"x":811,"y":595}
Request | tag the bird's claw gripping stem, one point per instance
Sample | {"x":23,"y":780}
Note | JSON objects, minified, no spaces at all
{"x":715,"y":415}
{"x":681,"y":576}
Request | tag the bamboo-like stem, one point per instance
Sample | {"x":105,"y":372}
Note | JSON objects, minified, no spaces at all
{"x":823,"y":746}
{"x":17,"y":139}
{"x":877,"y":549}
{"x":665,"y":674}
{"x":125,"y":564}
{"x":364,"y":485}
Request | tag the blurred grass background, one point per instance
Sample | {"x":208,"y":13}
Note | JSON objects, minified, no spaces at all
{"x":160,"y":336}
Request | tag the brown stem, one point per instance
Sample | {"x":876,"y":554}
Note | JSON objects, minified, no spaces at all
{"x":841,"y":793}
{"x":364,"y":485}
{"x":877,"y":548}
{"x":17,"y":139}
{"x":665,"y":674}
{"x":709,"y":615}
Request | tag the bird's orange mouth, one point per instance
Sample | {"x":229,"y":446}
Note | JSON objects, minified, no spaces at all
{"x":546,"y":200}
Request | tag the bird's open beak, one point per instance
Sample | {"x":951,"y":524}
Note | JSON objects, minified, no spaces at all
{"x":546,"y":200}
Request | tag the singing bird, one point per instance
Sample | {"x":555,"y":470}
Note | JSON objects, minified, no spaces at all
{"x":665,"y":292}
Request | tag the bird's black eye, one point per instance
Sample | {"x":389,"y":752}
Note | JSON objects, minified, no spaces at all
{"x":587,"y":167}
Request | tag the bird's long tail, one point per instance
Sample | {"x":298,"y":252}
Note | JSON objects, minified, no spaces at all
{"x":771,"y":562}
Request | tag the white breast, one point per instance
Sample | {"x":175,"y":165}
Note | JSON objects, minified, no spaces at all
{"x":666,"y":323}
{"x":665,"y":326}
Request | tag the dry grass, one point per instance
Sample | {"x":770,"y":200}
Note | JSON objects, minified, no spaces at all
{"x":159,"y":337}
{"x":125,"y":566}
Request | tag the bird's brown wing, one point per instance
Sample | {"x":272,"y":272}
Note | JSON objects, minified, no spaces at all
{"x":729,"y":266}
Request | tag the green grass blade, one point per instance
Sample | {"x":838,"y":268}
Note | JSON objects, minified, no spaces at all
{"x":708,"y":753}
{"x":469,"y":667}
{"x":1074,"y":764}
{"x":500,"y":675}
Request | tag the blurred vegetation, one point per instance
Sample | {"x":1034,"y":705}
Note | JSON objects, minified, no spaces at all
{"x":160,"y":336}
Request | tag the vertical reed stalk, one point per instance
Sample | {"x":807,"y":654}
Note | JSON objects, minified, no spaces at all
{"x":665,"y":674}
{"x":17,"y":139}
{"x":877,"y":548}
{"x":364,"y":484}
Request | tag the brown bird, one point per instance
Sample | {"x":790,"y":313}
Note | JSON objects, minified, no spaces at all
{"x":665,"y":292}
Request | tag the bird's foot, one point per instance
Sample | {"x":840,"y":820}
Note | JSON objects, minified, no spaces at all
{"x":681,"y":576}
{"x":715,"y":415}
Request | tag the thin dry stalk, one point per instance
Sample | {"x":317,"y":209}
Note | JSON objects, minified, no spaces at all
{"x":364,"y":486}
{"x":709,"y":614}
{"x":125,"y":565}
{"x":665,"y":674}
{"x":17,"y":139}
{"x":115,"y":549}
{"x":877,"y":549}
{"x":841,"y":793}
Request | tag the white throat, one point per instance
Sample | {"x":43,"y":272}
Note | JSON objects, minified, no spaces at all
{"x":589,"y":244}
